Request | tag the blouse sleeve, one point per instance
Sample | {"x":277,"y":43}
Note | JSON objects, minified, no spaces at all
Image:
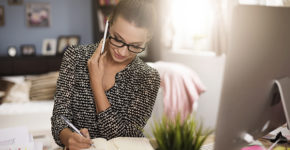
{"x":63,"y":94}
{"x":112,"y":123}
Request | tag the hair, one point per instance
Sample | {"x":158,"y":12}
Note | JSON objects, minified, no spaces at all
{"x":140,"y":12}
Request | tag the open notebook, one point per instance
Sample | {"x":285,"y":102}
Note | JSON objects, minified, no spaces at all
{"x":122,"y":143}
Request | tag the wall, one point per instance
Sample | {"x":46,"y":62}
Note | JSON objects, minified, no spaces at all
{"x":67,"y":17}
{"x":210,"y":69}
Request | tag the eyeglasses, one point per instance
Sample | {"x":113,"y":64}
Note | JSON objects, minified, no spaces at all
{"x":118,"y":43}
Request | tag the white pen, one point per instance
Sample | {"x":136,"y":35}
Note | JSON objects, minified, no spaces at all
{"x":73,"y":127}
{"x":105,"y":35}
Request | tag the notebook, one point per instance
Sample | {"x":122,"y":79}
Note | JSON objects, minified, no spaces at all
{"x":121,"y":143}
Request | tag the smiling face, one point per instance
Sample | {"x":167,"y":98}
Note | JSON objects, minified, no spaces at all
{"x":128,"y":33}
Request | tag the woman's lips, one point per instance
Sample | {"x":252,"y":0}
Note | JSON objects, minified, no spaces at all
{"x":118,"y":56}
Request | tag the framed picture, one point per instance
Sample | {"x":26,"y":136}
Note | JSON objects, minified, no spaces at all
{"x":64,"y":42}
{"x":49,"y":47}
{"x":38,"y":14}
{"x":28,"y":50}
{"x":2,"y":16}
{"x":15,"y":2}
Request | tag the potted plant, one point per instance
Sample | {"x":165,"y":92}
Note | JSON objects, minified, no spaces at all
{"x":178,"y":134}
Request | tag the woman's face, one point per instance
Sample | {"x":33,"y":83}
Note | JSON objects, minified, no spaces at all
{"x":128,"y":33}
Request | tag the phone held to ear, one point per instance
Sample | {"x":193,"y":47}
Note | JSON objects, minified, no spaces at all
{"x":105,"y":36}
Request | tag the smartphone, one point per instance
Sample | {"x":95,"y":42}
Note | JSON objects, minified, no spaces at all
{"x":105,"y":36}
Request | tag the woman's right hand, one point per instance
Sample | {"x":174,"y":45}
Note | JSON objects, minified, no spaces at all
{"x":96,"y":65}
{"x":74,"y":141}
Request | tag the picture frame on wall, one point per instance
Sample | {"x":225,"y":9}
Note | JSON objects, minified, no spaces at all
{"x":15,"y":2}
{"x":49,"y":47}
{"x":64,"y":42}
{"x":2,"y":15}
{"x":38,"y":14}
{"x":28,"y":50}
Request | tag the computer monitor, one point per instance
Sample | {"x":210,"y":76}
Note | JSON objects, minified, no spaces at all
{"x":259,"y":54}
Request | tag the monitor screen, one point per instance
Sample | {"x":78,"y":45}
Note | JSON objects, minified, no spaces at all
{"x":259,"y":54}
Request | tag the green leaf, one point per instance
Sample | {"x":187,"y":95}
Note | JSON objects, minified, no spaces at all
{"x":175,"y":134}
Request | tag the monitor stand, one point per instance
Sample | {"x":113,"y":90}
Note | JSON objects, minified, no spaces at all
{"x":282,"y":93}
{"x":284,"y":90}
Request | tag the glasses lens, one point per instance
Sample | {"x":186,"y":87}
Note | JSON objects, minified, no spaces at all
{"x":135,"y":49}
{"x":119,"y":43}
{"x":116,"y":42}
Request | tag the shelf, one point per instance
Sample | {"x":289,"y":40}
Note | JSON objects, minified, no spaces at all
{"x":29,"y":65}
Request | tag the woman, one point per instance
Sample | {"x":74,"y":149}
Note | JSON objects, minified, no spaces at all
{"x":112,"y":94}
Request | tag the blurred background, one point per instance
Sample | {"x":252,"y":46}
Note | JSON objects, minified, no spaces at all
{"x":191,"y":35}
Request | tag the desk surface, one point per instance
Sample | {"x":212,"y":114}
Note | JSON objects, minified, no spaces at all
{"x":266,"y":143}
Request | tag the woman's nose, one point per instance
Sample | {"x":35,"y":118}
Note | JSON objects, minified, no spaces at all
{"x":123,"y":51}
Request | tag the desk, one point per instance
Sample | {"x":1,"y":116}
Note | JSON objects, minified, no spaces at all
{"x":266,"y":143}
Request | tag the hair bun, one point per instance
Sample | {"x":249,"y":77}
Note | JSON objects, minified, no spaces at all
{"x":150,"y":1}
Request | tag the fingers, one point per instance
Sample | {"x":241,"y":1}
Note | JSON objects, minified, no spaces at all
{"x":96,"y":56}
{"x":105,"y":53}
{"x":106,"y":48}
{"x":101,"y":61}
{"x":85,"y":132}
{"x":100,"y":47}
{"x":83,"y":140}
{"x":97,"y":53}
{"x":96,"y":64}
{"x":79,"y":142}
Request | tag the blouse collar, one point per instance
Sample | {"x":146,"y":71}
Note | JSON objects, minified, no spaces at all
{"x":131,"y":66}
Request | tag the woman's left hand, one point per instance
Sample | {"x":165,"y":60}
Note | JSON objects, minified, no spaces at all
{"x":96,"y":65}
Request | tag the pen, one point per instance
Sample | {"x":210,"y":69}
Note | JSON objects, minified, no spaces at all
{"x":105,"y":35}
{"x":73,"y":127}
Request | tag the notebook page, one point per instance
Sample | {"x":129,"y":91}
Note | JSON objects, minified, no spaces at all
{"x":100,"y":144}
{"x":130,"y":143}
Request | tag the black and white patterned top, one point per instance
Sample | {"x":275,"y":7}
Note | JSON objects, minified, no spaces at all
{"x":132,"y":97}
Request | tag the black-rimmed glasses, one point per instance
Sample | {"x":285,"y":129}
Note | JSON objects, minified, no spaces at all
{"x":132,"y":48}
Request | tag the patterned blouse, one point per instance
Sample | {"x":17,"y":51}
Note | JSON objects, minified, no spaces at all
{"x":132,"y":97}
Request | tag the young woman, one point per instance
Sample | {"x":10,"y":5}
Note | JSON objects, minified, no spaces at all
{"x":112,"y":94}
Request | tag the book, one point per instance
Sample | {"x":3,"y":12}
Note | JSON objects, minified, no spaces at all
{"x":121,"y":143}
